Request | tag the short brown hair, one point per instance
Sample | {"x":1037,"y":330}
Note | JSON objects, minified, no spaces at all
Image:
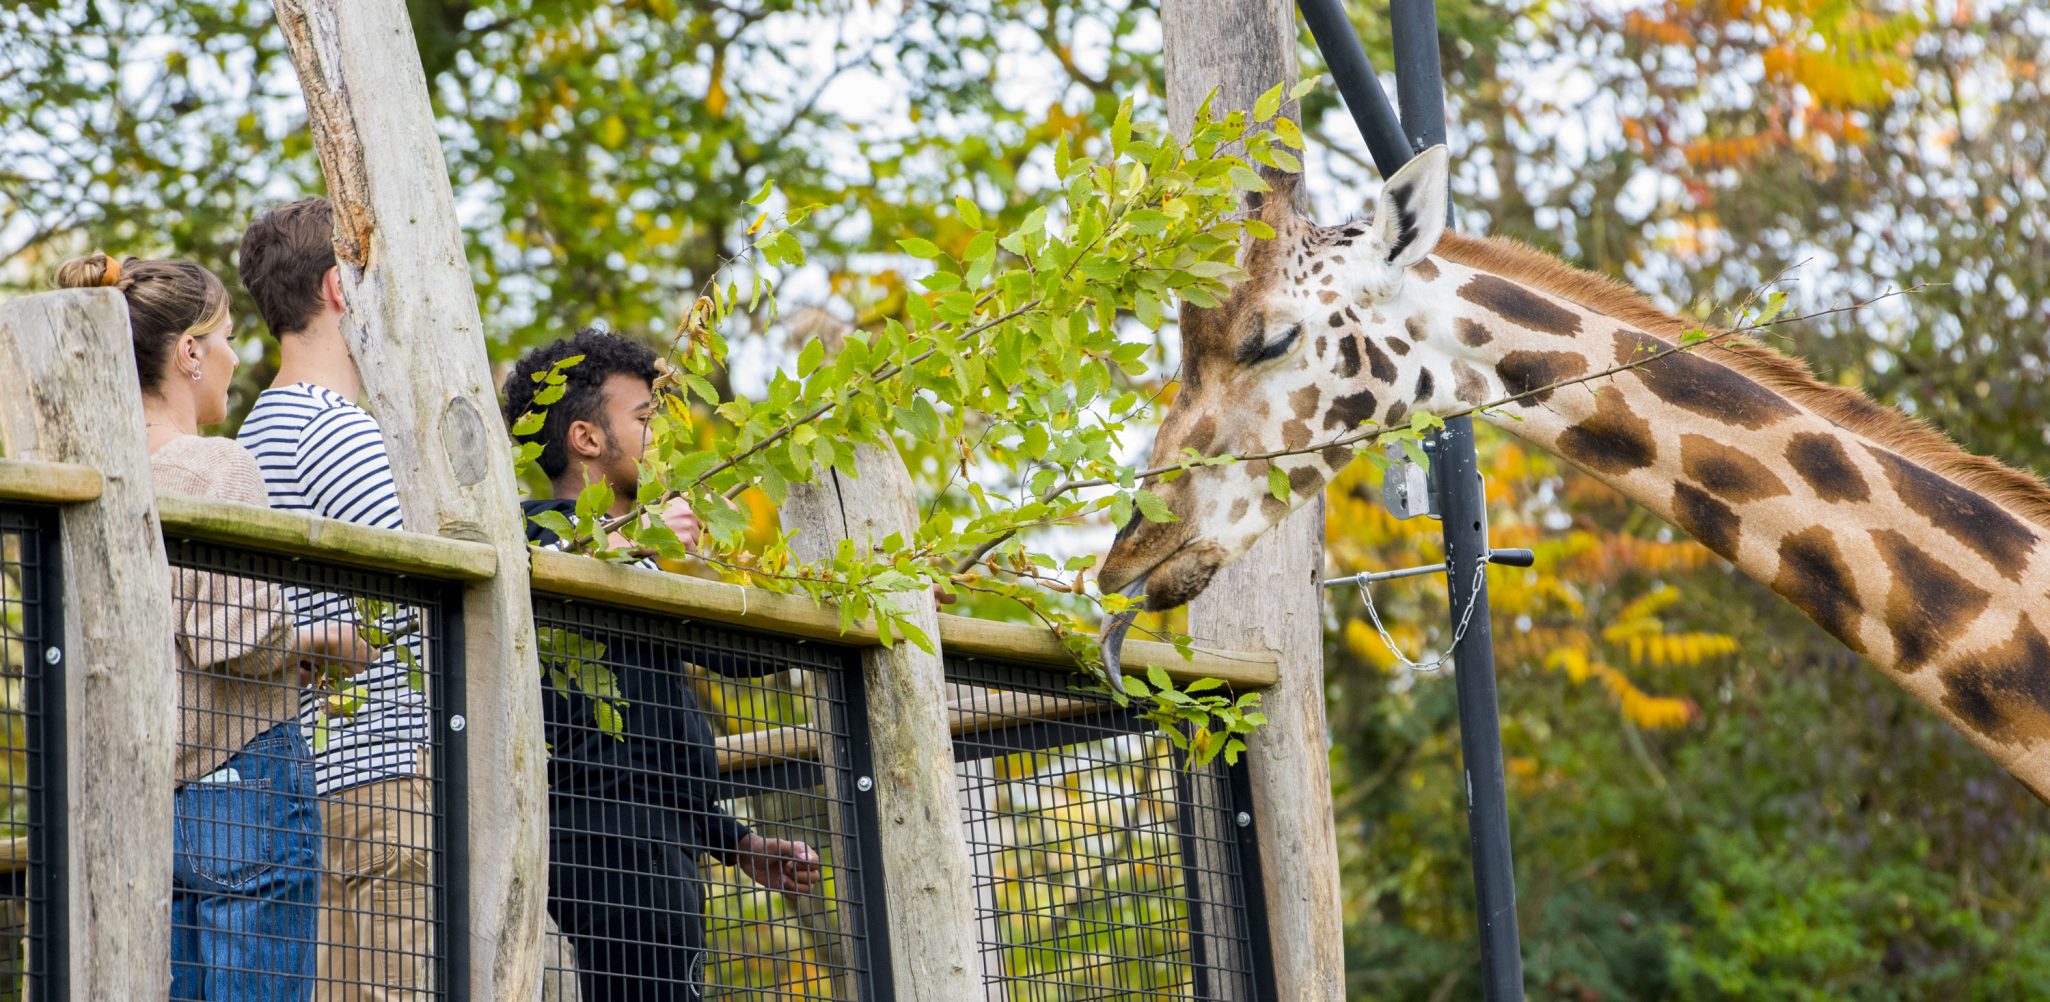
{"x":285,"y":255}
{"x":166,"y":301}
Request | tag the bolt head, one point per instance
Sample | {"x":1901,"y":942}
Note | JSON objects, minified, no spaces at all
{"x":1244,"y":819}
{"x":53,"y":654}
{"x":864,"y":784}
{"x":457,"y":723}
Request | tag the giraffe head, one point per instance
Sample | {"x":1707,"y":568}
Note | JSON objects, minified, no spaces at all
{"x":1294,"y":356}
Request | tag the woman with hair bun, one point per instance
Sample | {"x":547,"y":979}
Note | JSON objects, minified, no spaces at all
{"x":246,"y":838}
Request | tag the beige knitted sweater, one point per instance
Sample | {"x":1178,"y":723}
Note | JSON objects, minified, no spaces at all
{"x":234,"y":679}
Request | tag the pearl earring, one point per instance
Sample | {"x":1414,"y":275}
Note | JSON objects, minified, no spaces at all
{"x":195,"y":375}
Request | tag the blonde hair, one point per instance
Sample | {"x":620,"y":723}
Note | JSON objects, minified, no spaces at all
{"x":166,"y":301}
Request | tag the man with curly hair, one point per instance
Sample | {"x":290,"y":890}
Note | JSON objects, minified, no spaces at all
{"x":631,"y":808}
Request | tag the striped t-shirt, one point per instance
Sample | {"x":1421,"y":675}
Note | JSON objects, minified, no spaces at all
{"x":323,"y":455}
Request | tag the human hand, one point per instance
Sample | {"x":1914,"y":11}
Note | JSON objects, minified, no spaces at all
{"x":682,"y":521}
{"x":331,"y":644}
{"x":780,"y":864}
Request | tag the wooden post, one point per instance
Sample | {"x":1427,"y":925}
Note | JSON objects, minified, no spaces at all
{"x":1273,"y":596}
{"x":414,"y":330}
{"x":929,"y":893}
{"x":75,"y":398}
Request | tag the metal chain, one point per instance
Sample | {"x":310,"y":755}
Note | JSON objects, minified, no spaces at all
{"x":1459,"y":633}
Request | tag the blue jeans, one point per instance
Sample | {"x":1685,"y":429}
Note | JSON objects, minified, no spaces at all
{"x":246,"y":876}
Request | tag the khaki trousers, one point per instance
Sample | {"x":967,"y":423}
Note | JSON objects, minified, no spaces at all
{"x":377,"y":894}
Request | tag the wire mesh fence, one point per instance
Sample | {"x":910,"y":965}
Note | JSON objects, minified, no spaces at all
{"x":704,"y":837}
{"x":28,"y":609}
{"x":1104,"y":868}
{"x":310,"y":818}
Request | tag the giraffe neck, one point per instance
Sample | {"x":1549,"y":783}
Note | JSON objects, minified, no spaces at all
{"x":1918,"y":572}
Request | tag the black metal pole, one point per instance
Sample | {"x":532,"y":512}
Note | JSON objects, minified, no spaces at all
{"x":1461,"y":504}
{"x":1347,"y":60}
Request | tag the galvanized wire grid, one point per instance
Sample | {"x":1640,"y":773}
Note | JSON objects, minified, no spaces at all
{"x":24,"y":645}
{"x":278,"y":894}
{"x":667,"y":740}
{"x":1104,"y":869}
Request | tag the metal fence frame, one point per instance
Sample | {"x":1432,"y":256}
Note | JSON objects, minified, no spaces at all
{"x":847,"y":724}
{"x":440,"y":603}
{"x":982,"y":736}
{"x":44,"y":889}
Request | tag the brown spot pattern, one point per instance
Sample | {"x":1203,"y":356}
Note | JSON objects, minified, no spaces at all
{"x":1418,"y":326}
{"x":1814,"y":577}
{"x":1822,"y":462}
{"x":1519,"y":305}
{"x":1965,"y":515}
{"x":2004,"y":693}
{"x":1612,"y":440}
{"x":1398,"y":346}
{"x":1238,"y":508}
{"x":1708,"y":520}
{"x":1378,"y":363}
{"x":1348,"y":358}
{"x":1425,"y":386}
{"x":1471,"y":332}
{"x":1201,"y":434}
{"x":1304,"y":401}
{"x":1686,"y":380}
{"x":1525,"y":371}
{"x":1348,"y":411}
{"x":1304,"y":482}
{"x":1928,"y":602}
{"x":1424,"y":269}
{"x":1728,"y":473}
{"x":1468,"y":384}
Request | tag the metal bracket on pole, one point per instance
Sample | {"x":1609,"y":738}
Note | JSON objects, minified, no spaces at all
{"x":1507,"y":558}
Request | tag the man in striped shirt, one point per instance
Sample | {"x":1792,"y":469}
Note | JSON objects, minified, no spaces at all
{"x":324,"y":455}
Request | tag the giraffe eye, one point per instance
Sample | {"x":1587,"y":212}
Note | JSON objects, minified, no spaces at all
{"x":1254,"y":352}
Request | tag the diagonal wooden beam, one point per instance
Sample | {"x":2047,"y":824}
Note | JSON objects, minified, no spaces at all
{"x":413,"y":327}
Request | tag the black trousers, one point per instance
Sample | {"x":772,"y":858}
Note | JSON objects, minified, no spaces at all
{"x":635,"y":912}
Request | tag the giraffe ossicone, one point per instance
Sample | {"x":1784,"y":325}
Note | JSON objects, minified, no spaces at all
{"x":1928,"y":561}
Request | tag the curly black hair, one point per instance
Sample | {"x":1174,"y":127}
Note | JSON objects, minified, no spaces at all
{"x":583,"y":399}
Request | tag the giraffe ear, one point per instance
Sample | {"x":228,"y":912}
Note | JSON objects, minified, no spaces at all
{"x":1409,"y":217}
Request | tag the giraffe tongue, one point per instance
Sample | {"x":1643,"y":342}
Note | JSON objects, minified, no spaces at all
{"x":1113,"y":640}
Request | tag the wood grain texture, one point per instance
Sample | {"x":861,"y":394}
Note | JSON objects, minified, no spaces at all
{"x":1023,"y":642}
{"x":74,"y":399}
{"x":299,"y":535}
{"x":413,"y":327}
{"x":1271,"y":598}
{"x":578,"y":576}
{"x":926,"y":870}
{"x":54,"y":483}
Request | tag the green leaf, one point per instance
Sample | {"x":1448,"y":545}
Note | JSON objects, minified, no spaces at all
{"x":808,"y":359}
{"x":1268,"y":104}
{"x":1155,"y":509}
{"x":1134,"y":685}
{"x":1277,"y":483}
{"x":1245,"y":179}
{"x":1304,"y":86}
{"x":920,"y":248}
{"x":1148,"y":221}
{"x":969,"y":213}
{"x":761,"y":196}
{"x":530,"y":423}
{"x":1158,"y":676}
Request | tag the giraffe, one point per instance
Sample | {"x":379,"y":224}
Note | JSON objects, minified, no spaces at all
{"x":1924,"y":559}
